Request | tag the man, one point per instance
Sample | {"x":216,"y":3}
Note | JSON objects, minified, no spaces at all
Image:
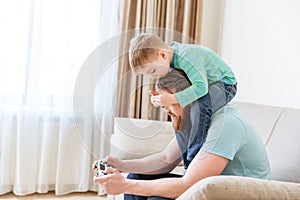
{"x":232,"y":147}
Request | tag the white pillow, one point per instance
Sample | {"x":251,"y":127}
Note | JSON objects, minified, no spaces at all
{"x":235,"y":187}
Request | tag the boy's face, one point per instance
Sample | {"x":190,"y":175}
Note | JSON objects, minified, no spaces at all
{"x":157,"y":68}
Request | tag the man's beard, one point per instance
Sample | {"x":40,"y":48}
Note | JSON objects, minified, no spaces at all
{"x":175,"y":121}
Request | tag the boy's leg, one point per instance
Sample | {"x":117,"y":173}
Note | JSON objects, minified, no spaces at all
{"x":230,"y":91}
{"x":200,"y":117}
{"x":147,"y":177}
{"x":219,"y":94}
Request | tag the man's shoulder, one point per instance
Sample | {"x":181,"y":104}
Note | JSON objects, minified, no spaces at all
{"x":229,"y":116}
{"x":227,"y":132}
{"x":228,"y":110}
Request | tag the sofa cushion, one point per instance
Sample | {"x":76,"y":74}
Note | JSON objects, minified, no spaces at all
{"x":234,"y":187}
{"x":283,"y":147}
{"x":280,"y":130}
{"x":262,"y":117}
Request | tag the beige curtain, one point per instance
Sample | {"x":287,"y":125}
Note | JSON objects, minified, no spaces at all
{"x":172,"y":20}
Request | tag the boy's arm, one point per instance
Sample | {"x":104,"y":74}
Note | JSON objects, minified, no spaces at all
{"x":202,"y":166}
{"x":195,"y":70}
{"x":200,"y":68}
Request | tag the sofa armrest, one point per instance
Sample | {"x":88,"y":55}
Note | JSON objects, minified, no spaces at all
{"x":234,"y":187}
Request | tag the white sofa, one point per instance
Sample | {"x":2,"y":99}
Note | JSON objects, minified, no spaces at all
{"x":279,"y":129}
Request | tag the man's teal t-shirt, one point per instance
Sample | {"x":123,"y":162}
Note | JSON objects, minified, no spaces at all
{"x":231,"y":136}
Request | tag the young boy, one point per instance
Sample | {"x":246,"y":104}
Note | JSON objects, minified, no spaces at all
{"x":212,"y":80}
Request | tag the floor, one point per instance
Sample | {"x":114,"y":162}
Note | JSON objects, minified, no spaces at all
{"x":52,"y":196}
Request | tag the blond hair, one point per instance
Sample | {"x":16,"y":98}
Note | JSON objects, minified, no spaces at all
{"x":143,"y":49}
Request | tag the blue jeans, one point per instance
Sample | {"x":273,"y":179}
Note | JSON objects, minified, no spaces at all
{"x":219,"y":94}
{"x":147,"y":177}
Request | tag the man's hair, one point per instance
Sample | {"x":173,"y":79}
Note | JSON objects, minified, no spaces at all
{"x":144,"y":48}
{"x":175,"y":81}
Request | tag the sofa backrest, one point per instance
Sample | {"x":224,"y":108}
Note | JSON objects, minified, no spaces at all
{"x":280,"y":131}
{"x":141,"y":128}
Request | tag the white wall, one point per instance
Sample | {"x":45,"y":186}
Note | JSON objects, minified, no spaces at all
{"x":260,"y":39}
{"x":211,"y":23}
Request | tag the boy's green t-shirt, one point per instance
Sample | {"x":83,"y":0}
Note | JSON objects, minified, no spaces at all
{"x":231,"y":136}
{"x":202,"y":66}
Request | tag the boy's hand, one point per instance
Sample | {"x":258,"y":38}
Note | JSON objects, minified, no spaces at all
{"x":153,"y":93}
{"x":153,"y":99}
{"x":162,"y":99}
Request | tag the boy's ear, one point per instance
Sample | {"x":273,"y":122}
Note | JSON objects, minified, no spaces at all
{"x":162,"y":53}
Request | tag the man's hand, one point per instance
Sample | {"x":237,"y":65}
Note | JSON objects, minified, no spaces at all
{"x":113,"y":183}
{"x":111,"y":161}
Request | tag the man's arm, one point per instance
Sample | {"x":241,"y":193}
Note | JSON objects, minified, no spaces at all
{"x":202,"y":166}
{"x":162,"y":162}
